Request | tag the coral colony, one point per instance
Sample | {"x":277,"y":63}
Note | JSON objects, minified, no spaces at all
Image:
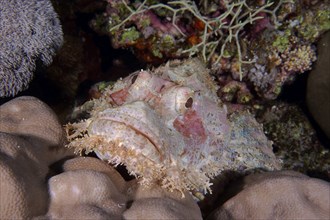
{"x":262,"y":44}
{"x":36,"y":36}
{"x":168,"y":127}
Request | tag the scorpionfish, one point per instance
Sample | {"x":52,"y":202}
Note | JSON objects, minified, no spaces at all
{"x":167,"y":126}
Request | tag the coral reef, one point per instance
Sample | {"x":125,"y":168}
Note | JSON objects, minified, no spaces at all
{"x":30,"y":33}
{"x":295,"y":140}
{"x":170,"y":29}
{"x":263,"y":44}
{"x":274,"y":67}
{"x":288,"y":191}
{"x":168,"y":127}
{"x":279,"y":53}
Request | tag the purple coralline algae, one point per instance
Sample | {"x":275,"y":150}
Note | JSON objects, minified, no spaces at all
{"x":263,"y":44}
{"x":168,"y":127}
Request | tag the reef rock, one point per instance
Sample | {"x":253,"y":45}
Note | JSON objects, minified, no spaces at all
{"x":167,"y":126}
{"x":318,"y":86}
{"x":276,"y":195}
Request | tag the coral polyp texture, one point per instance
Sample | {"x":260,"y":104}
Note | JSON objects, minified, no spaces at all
{"x":30,"y":32}
{"x":168,"y":127}
{"x":264,"y":44}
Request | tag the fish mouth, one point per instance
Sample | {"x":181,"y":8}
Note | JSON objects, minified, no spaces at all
{"x":144,"y":123}
{"x":143,"y":134}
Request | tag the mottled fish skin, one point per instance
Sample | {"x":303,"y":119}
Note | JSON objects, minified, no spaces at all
{"x":167,"y":126}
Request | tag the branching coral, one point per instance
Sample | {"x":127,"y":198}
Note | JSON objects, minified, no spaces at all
{"x":30,"y":32}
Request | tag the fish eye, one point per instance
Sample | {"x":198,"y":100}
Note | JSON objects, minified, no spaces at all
{"x":189,"y":103}
{"x":183,"y":99}
{"x":134,"y":79}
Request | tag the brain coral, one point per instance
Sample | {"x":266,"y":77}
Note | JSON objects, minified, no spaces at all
{"x":30,"y":32}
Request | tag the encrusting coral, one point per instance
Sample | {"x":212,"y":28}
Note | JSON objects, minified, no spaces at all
{"x":167,"y":126}
{"x":30,"y":33}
